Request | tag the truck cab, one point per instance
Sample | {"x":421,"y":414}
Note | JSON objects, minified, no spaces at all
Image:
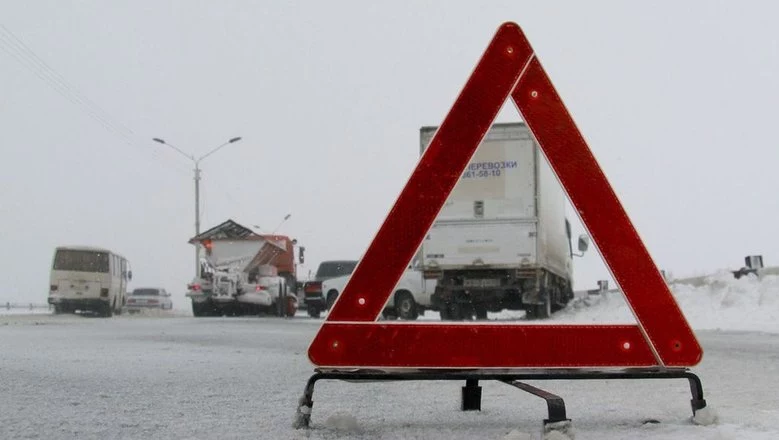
{"x":315,"y":300}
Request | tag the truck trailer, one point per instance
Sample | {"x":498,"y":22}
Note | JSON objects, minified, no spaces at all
{"x":502,"y":240}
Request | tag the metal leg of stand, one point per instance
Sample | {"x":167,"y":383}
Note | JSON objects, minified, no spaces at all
{"x":306,"y":402}
{"x":554,"y":403}
{"x":471,"y":395}
{"x":696,"y":389}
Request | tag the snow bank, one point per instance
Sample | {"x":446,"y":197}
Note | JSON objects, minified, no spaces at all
{"x":720,"y":303}
{"x":725,"y":303}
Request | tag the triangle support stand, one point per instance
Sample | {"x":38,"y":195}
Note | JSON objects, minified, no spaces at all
{"x":471,"y":393}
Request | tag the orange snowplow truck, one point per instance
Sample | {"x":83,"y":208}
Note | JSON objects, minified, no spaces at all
{"x":244,"y":273}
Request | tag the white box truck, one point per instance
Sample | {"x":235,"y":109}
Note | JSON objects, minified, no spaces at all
{"x":501,"y":240}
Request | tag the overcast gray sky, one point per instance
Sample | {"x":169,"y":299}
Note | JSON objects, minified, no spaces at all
{"x":677,"y":100}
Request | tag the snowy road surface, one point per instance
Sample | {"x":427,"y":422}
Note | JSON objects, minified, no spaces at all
{"x":69,"y":377}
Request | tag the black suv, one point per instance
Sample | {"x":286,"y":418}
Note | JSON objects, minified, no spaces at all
{"x":314,"y":299}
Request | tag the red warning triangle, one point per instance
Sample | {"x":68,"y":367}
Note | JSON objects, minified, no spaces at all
{"x":351,"y":336}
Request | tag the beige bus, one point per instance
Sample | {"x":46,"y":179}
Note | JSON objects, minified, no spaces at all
{"x":88,"y":279}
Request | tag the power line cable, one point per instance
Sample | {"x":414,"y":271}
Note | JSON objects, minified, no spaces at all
{"x":14,"y":47}
{"x":20,"y":51}
{"x":41,"y":64}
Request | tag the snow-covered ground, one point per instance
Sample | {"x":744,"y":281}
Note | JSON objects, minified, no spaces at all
{"x":174,"y":376}
{"x":24,"y":311}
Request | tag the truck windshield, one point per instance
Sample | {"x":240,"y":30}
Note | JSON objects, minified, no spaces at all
{"x":81,"y":261}
{"x":332,"y":269}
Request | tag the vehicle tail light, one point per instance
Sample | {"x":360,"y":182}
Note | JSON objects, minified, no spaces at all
{"x":260,"y":288}
{"x":104,"y":291}
{"x":152,"y":301}
{"x":312,"y":287}
{"x":131,"y":301}
{"x":195,"y":287}
{"x":53,"y":287}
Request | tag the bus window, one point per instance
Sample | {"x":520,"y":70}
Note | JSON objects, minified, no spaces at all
{"x":81,"y":261}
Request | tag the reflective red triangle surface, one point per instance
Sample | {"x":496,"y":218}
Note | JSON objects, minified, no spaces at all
{"x":351,"y":336}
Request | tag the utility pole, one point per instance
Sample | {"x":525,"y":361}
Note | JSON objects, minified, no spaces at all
{"x":196,"y":161}
{"x":197,"y":217}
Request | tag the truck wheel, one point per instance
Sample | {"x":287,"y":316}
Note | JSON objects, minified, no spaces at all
{"x":108,"y":311}
{"x":405,"y":306}
{"x":454,"y":312}
{"x":292,"y":307}
{"x":481,"y":311}
{"x":313,"y":311}
{"x":544,"y":311}
{"x":565,"y":297}
{"x":199,"y":309}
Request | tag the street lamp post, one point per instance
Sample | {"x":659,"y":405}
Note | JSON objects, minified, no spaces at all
{"x":196,"y":161}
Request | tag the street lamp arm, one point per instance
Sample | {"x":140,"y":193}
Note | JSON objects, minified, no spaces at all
{"x":286,"y":217}
{"x":231,"y":141}
{"x":197,"y":188}
{"x":162,"y":141}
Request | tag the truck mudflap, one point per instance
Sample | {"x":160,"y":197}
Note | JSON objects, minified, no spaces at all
{"x":532,"y":296}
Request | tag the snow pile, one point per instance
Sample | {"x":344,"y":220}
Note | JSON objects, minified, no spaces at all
{"x":725,"y":303}
{"x":721,"y":303}
{"x":558,"y":431}
{"x":705,"y":416}
{"x":342,"y":422}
